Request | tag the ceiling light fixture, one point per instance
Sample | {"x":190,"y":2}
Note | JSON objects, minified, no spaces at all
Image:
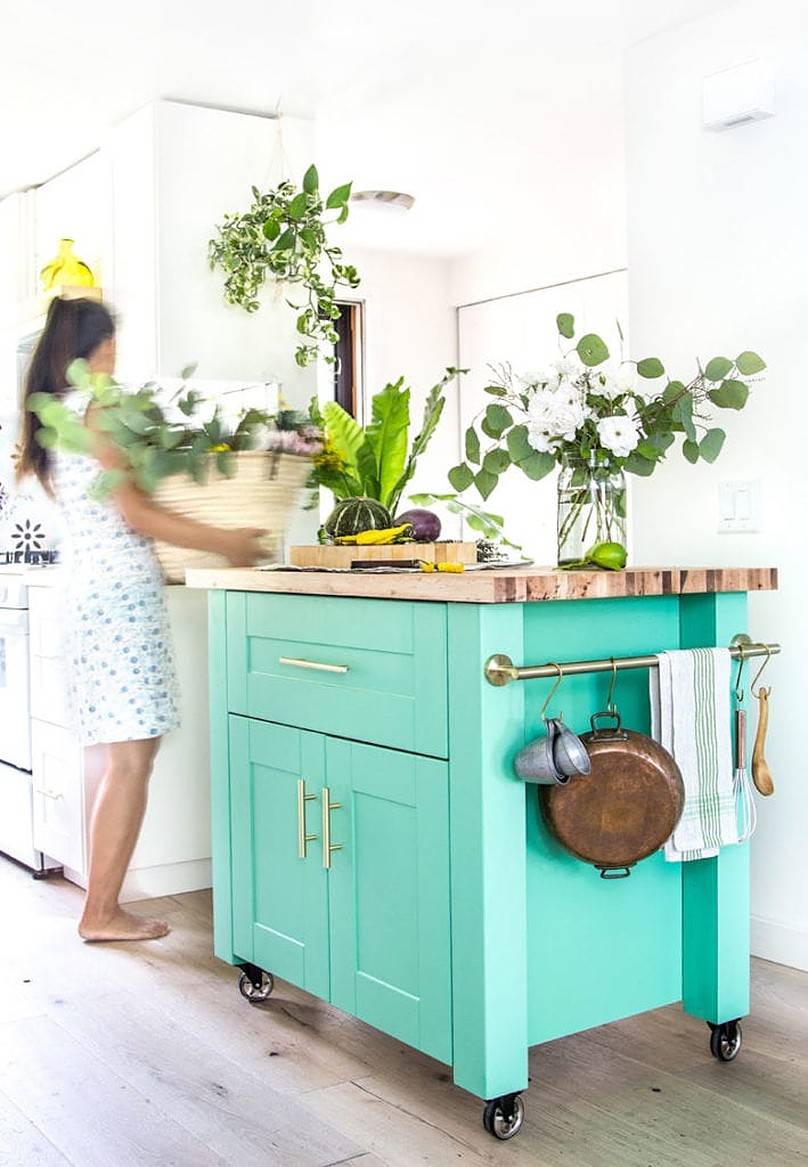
{"x":386,"y":200}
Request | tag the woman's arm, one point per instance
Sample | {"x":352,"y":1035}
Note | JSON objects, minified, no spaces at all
{"x":240,"y":546}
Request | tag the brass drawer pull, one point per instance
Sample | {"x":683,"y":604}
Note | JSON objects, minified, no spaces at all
{"x":302,"y":799}
{"x":318,"y":666}
{"x":328,"y":846}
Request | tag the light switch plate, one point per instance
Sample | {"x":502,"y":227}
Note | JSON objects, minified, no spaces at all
{"x":739,"y":507}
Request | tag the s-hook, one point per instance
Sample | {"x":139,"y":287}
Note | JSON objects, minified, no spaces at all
{"x":752,"y":687}
{"x":553,"y":691}
{"x":739,"y":674}
{"x":610,"y":705}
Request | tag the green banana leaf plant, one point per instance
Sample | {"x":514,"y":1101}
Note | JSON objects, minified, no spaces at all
{"x":377,"y":460}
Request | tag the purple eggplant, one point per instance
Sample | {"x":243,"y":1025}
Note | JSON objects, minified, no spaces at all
{"x":425,"y":524}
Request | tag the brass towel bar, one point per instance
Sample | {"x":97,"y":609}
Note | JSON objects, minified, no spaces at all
{"x":500,"y":669}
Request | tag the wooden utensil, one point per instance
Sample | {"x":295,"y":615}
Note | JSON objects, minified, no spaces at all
{"x":761,"y":774}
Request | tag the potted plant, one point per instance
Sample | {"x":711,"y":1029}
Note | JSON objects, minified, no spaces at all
{"x":597,"y":421}
{"x":283,"y":236}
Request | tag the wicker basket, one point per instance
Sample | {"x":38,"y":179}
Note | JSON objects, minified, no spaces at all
{"x":264,"y":492}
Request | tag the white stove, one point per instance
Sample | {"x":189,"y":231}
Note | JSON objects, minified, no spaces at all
{"x":16,"y":782}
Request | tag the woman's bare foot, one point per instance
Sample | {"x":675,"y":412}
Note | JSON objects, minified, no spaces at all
{"x":121,"y":925}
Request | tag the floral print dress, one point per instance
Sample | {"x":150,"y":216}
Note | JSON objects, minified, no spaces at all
{"x":120,"y":654}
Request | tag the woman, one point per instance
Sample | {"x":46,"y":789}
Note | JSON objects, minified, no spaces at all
{"x":123,"y":676}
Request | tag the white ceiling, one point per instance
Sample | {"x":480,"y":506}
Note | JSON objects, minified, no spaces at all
{"x":469,"y":105}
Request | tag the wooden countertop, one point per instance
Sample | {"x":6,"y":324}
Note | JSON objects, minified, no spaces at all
{"x":497,"y":586}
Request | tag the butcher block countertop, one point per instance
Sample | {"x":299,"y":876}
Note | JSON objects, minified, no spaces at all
{"x":505,"y":585}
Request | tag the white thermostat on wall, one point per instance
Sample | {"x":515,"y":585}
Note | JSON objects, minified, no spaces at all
{"x":735,"y":96}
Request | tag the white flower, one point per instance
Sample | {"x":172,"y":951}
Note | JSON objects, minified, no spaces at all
{"x":557,"y":415}
{"x":619,"y":434}
{"x":540,"y":438}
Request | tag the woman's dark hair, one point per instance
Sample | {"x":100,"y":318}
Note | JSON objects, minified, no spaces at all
{"x":73,"y":329}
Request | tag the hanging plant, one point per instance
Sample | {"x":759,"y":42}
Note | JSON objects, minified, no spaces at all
{"x":283,"y":237}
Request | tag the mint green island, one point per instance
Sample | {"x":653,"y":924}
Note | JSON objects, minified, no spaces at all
{"x":371,"y":842}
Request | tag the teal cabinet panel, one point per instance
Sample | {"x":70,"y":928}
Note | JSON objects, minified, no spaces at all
{"x":390,"y":920}
{"x":280,"y":901}
{"x":392,"y":687}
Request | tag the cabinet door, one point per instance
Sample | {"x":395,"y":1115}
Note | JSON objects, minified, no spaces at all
{"x":280,"y":901}
{"x":58,"y":794}
{"x":389,"y":889}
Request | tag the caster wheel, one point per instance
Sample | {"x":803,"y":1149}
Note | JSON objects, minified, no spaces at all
{"x":726,"y":1041}
{"x":254,"y":993}
{"x":503,"y":1117}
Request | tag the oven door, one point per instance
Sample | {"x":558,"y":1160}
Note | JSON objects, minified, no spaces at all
{"x":15,"y":689}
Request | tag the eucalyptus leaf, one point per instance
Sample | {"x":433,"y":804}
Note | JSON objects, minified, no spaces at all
{"x":472,"y":443}
{"x":717,"y":368}
{"x":498,"y":419}
{"x":592,"y":350}
{"x":691,"y":451}
{"x":711,"y":444}
{"x":496,"y":390}
{"x":519,"y":446}
{"x":651,"y":368}
{"x":496,"y":461}
{"x":749,"y":363}
{"x":461,"y":477}
{"x":537,"y":465}
{"x":565,"y":322}
{"x":485,"y":483}
{"x":729,"y":395}
{"x":636,"y":464}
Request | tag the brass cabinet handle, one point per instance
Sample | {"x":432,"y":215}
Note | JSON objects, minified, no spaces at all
{"x":302,"y":799}
{"x":328,"y":846}
{"x":318,"y":666}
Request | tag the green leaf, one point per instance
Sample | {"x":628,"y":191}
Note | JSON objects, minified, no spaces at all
{"x":565,"y":322}
{"x":472,"y":446}
{"x":683,"y":413}
{"x":519,"y":447}
{"x":648,"y":450}
{"x":496,"y":390}
{"x":711,"y":444}
{"x":729,"y":395}
{"x":461,"y":477}
{"x":718,"y":368}
{"x":485,"y":482}
{"x":636,"y":464}
{"x":496,"y":461}
{"x":311,"y":180}
{"x":498,"y":419}
{"x":388,"y":434}
{"x":592,"y":350}
{"x":433,"y":411}
{"x":672,"y":390}
{"x":345,"y":434}
{"x":271,"y":229}
{"x":749,"y":363}
{"x":661,"y":440}
{"x":188,"y":371}
{"x":691,"y":451}
{"x":297,"y":206}
{"x":651,"y":367}
{"x":285,"y":241}
{"x":47,"y":438}
{"x":537,"y":465}
{"x":339,"y":196}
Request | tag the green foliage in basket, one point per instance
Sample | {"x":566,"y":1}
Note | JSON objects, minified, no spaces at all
{"x":283,"y":236}
{"x":158,"y":435}
{"x":588,"y":411}
{"x":376,"y":461}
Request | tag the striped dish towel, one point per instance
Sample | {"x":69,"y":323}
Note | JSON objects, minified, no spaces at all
{"x":690,"y":718}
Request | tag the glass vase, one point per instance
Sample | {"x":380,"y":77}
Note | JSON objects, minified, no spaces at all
{"x":591,"y":507}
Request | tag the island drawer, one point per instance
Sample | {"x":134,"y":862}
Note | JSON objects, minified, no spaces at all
{"x":369,"y":670}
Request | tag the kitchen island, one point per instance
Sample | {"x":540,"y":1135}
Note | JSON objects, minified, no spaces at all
{"x":372,"y":845}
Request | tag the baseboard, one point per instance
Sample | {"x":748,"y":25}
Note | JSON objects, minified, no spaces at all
{"x":780,"y":943}
{"x":168,"y":879}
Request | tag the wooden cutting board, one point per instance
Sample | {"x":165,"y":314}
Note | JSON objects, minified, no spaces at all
{"x":324,"y":556}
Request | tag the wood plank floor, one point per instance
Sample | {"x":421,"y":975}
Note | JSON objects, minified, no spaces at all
{"x":139,"y":1055}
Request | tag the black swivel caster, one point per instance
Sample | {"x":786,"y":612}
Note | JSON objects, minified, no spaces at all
{"x":254,"y":984}
{"x":725,"y":1040}
{"x":503,"y":1117}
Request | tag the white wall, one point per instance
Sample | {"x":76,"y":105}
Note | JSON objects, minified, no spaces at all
{"x":718,"y":239}
{"x":410,"y":331}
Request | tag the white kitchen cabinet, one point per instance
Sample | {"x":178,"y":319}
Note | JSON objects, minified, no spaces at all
{"x":59,"y":807}
{"x":173,"y":852}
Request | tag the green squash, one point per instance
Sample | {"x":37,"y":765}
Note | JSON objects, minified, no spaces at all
{"x":352,"y":515}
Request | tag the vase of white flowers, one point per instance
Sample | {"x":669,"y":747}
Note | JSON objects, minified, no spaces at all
{"x":596,"y":419}
{"x":591,"y":506}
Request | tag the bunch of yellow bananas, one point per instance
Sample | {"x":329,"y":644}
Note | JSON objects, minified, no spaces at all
{"x":377,"y":538}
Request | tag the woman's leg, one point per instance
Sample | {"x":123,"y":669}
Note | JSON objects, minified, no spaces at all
{"x":120,"y":805}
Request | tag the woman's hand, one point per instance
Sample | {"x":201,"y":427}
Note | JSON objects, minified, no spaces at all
{"x":242,"y":547}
